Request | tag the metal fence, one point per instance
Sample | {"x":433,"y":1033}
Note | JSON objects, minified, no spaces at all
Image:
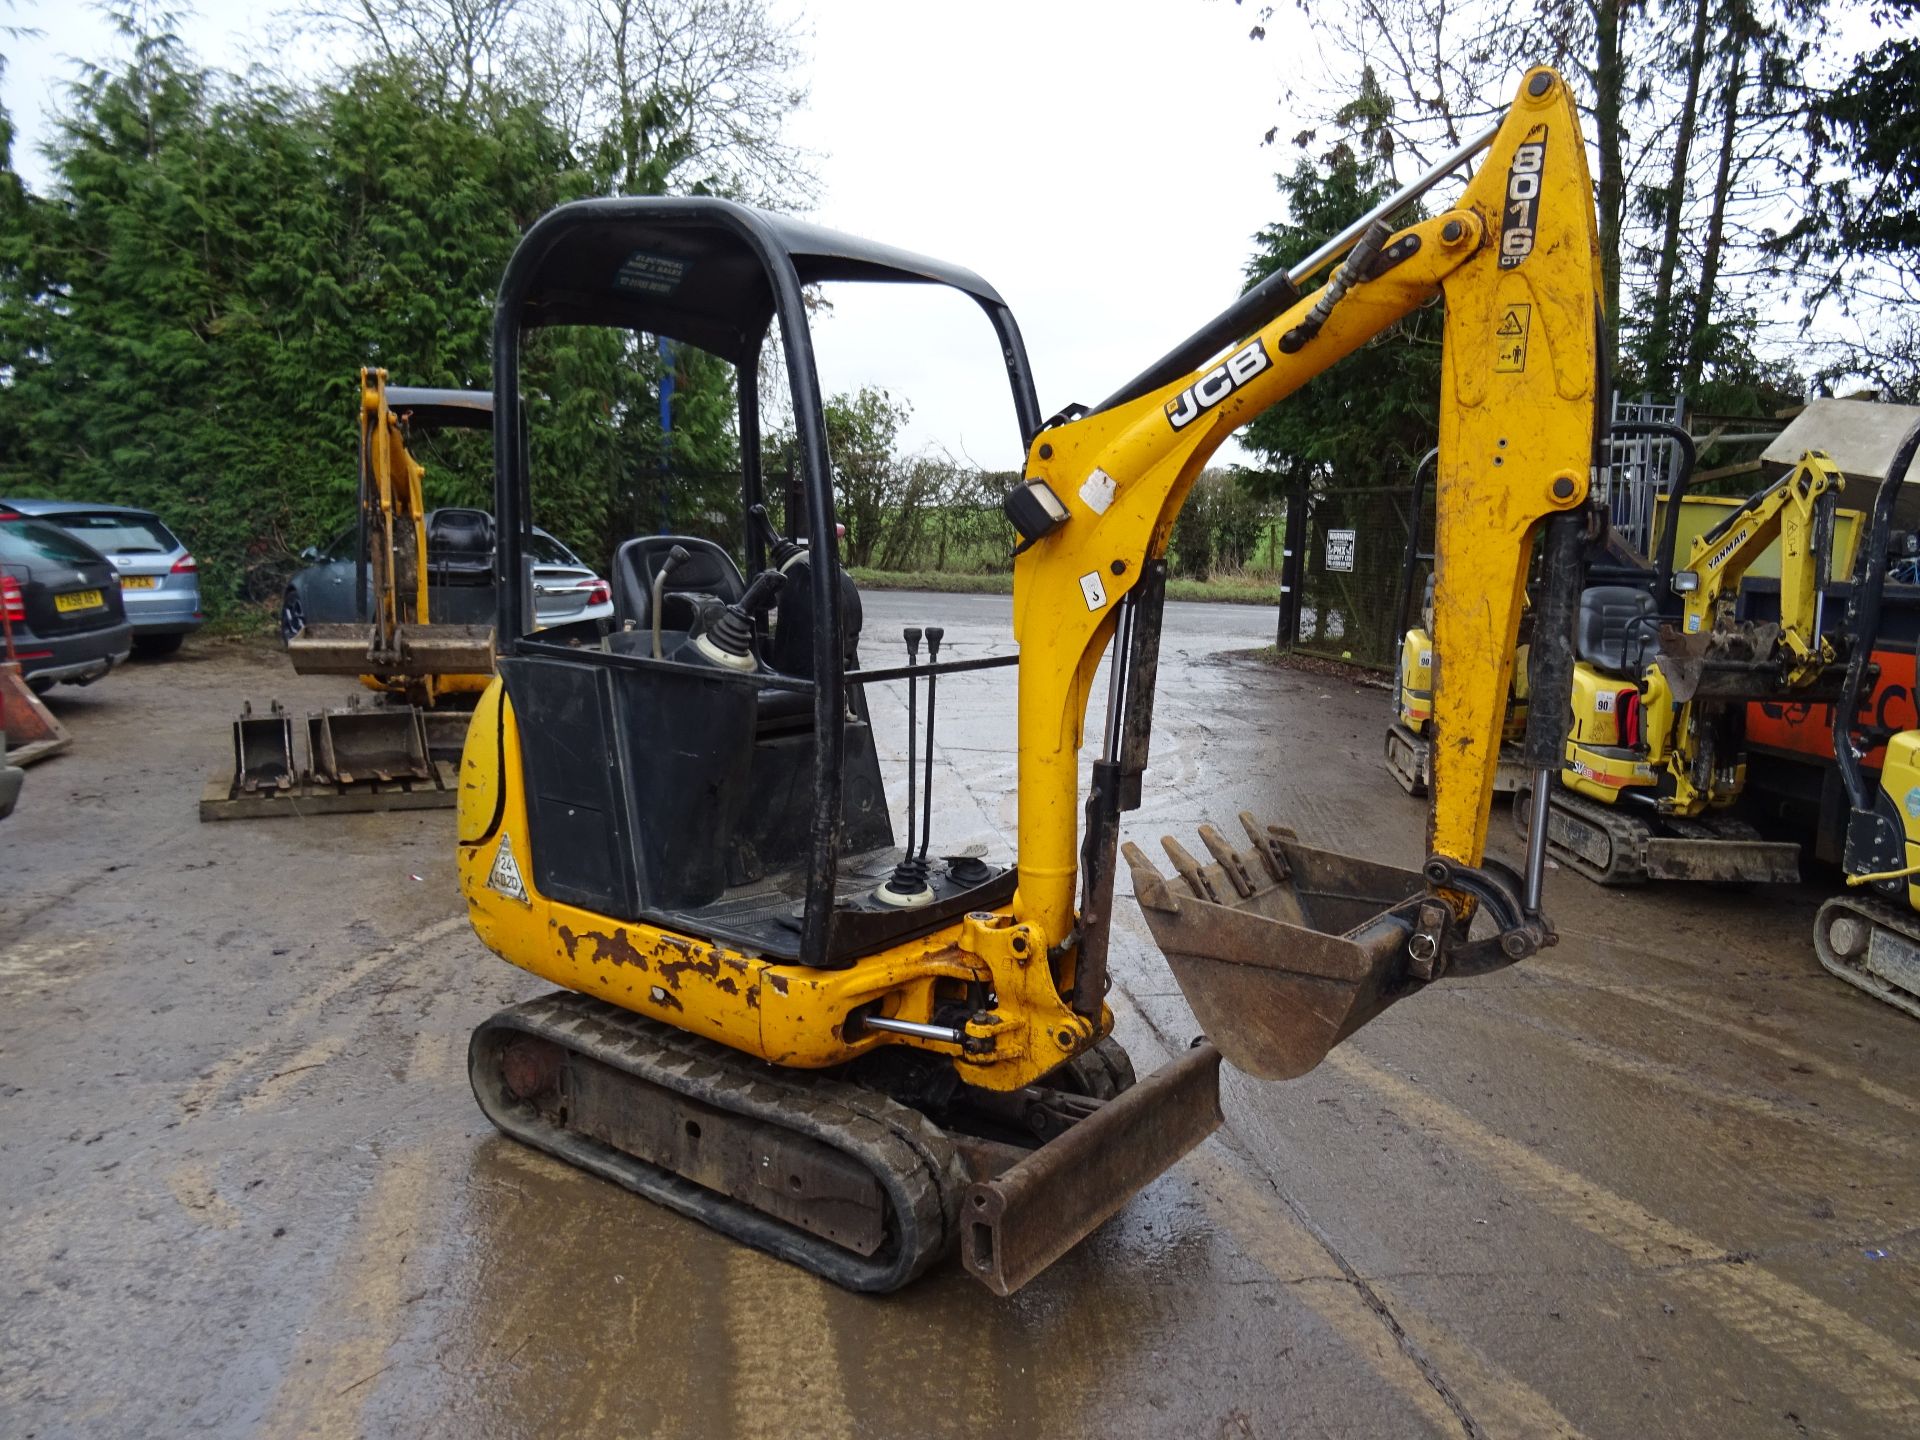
{"x":1345,"y":577}
{"x":1641,"y":468}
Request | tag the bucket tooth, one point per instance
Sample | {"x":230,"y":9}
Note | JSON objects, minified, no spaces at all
{"x":1302,"y":952}
{"x":1231,"y":865}
{"x":1188,"y":868}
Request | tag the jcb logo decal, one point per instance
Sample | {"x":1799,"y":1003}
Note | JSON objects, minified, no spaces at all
{"x":1218,"y":383}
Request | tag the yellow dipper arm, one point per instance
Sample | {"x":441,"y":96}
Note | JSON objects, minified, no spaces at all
{"x":1517,"y":262}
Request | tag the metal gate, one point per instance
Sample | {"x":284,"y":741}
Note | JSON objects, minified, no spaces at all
{"x":1641,"y":468}
{"x":1343,"y":590}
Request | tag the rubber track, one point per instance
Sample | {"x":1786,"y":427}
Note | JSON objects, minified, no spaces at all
{"x":1880,"y":916}
{"x":911,"y":1158}
{"x":1624,"y":834}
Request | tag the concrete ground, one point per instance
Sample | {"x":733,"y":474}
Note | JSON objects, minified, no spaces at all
{"x":1661,"y":1181}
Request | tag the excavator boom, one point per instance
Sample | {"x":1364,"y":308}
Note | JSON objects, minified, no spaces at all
{"x":1275,"y":963}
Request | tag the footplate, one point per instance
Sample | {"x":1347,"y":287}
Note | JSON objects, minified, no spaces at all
{"x":1028,"y":1216}
{"x":1282,"y":951}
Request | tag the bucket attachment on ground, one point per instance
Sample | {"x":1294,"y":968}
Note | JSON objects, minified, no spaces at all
{"x":1284,"y":950}
{"x":263,"y":750}
{"x":32,"y":731}
{"x":416,"y":650}
{"x":383,"y":744}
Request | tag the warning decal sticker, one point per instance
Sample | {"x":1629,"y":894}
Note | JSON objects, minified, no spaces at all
{"x":1510,"y":338}
{"x":505,"y":876}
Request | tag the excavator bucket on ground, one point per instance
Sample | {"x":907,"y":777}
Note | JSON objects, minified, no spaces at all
{"x":382,"y":744}
{"x":1282,"y":950}
{"x":417,"y":650}
{"x":263,"y":751}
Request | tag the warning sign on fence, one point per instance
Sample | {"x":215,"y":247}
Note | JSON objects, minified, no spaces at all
{"x":1340,"y":550}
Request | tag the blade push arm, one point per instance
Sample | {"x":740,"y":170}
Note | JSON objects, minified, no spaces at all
{"x":1517,"y":262}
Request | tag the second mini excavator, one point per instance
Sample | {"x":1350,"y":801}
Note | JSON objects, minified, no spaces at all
{"x":1654,"y":755}
{"x":775,"y":1020}
{"x":400,"y":648}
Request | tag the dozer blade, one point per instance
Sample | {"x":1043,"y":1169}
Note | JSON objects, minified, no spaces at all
{"x":1021,"y":1221}
{"x":416,"y":650}
{"x":375,"y":744}
{"x":262,"y":750}
{"x":1282,"y":951}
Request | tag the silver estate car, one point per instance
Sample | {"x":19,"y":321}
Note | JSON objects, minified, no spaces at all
{"x":159,"y":581}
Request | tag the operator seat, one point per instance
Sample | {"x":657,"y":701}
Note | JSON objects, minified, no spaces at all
{"x":460,"y":545}
{"x":1618,"y":629}
{"x":707,"y":570}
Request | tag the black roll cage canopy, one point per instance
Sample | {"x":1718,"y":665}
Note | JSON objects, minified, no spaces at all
{"x":714,"y":274}
{"x":426,"y":408}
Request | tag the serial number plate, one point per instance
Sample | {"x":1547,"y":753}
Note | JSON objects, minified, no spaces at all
{"x":139,"y":582}
{"x":78,"y":600}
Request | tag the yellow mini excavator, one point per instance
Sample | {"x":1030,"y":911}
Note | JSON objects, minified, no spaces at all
{"x":1654,"y":755}
{"x":1873,"y":940}
{"x":1407,"y":749}
{"x":858,"y":1055}
{"x":399,"y":648}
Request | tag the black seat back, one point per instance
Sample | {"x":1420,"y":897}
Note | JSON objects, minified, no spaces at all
{"x":460,"y":545}
{"x":1618,"y":629}
{"x":707,"y":570}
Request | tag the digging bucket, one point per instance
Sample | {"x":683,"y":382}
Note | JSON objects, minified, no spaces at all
{"x":417,"y":650}
{"x":1282,"y":950}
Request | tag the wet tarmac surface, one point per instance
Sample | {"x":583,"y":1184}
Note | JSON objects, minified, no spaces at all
{"x":1660,"y":1181}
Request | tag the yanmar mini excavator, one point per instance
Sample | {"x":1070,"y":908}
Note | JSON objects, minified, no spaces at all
{"x":1655,"y":754}
{"x":855,"y":1055}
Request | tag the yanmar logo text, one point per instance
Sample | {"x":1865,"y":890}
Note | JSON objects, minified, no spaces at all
{"x":1733,"y":543}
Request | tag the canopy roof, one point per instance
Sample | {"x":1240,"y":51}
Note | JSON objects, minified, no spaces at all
{"x":426,"y":409}
{"x":695,"y":268}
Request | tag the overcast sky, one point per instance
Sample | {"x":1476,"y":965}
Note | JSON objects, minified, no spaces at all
{"x":1099,"y":161}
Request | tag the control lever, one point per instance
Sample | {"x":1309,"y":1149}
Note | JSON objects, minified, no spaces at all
{"x":907,"y":888}
{"x":935,"y":634}
{"x":779,"y":548}
{"x":729,"y":642}
{"x":676,"y":557}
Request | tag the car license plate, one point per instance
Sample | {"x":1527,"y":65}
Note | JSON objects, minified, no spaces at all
{"x":139,"y":582}
{"x":78,"y":600}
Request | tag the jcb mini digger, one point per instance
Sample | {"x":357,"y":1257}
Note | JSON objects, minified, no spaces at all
{"x":777,"y":1020}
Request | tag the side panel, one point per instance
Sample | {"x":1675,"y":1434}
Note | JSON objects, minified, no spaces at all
{"x":582,"y":852}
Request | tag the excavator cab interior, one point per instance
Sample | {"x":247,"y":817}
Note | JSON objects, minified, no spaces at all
{"x":746,"y":801}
